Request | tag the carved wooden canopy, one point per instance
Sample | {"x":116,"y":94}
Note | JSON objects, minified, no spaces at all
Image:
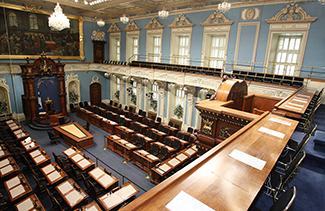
{"x":153,"y":24}
{"x":180,"y":22}
{"x":216,"y":18}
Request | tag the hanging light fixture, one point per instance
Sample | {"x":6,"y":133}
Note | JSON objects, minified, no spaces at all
{"x":58,"y":20}
{"x":163,"y":14}
{"x":322,"y":2}
{"x":224,"y":6}
{"x":124,"y":19}
{"x":100,"y":22}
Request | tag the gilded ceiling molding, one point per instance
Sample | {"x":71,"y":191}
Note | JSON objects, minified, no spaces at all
{"x":181,"y":22}
{"x":132,"y":26}
{"x":153,"y":24}
{"x":215,"y":19}
{"x":290,"y":14}
{"x":114,"y":28}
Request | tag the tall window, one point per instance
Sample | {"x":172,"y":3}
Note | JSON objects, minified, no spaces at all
{"x":287,"y":54}
{"x":183,"y":49}
{"x":115,"y":49}
{"x":156,"y":48}
{"x":135,"y":48}
{"x":133,"y":92}
{"x":180,"y":94}
{"x":132,"y":47}
{"x":33,"y":22}
{"x":13,"y":19}
{"x":217,"y":51}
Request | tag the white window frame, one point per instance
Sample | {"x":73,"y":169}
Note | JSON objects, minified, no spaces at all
{"x":115,"y":49}
{"x":154,"y":30}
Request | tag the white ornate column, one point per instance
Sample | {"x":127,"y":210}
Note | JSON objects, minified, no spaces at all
{"x":190,"y":104}
{"x":139,"y":94}
{"x":122,"y":89}
{"x":170,"y":87}
{"x":145,"y":87}
{"x":202,"y":95}
{"x":161,"y":101}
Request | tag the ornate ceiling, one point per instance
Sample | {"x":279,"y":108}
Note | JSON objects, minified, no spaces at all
{"x":112,"y":9}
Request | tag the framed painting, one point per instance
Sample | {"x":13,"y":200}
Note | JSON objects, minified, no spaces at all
{"x":24,"y":32}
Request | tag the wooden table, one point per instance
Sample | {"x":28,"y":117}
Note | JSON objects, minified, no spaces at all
{"x":295,"y":104}
{"x":147,"y":141}
{"x":122,"y":129}
{"x":71,"y":151}
{"x":31,"y":203}
{"x":13,"y":125}
{"x":96,"y":120}
{"x":144,"y":128}
{"x":4,"y":152}
{"x":107,"y":181}
{"x":217,"y":178}
{"x":72,"y":194}
{"x":17,"y":187}
{"x":40,"y":157}
{"x":29,"y":144}
{"x":74,"y":134}
{"x":8,"y":166}
{"x":121,"y":147}
{"x":109,"y":126}
{"x":160,"y":136}
{"x":109,"y":201}
{"x":145,"y":160}
{"x":53,"y":173}
{"x":20,"y":134}
{"x":184,"y":143}
{"x":92,"y":206}
{"x":84,"y":114}
{"x":82,"y":161}
{"x":171,"y":150}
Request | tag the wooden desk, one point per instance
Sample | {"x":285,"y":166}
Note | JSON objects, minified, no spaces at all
{"x":160,"y":136}
{"x":122,"y":147}
{"x":109,"y":126}
{"x":40,"y":157}
{"x":29,"y":144}
{"x":147,"y":141}
{"x":229,"y":180}
{"x":107,"y":181}
{"x":17,"y":187}
{"x":184,"y":143}
{"x":72,"y":194}
{"x":13,"y":125}
{"x":81,"y":161}
{"x":4,"y":152}
{"x":295,"y":104}
{"x":84,"y":114}
{"x":122,"y":129}
{"x":144,"y":128}
{"x":8,"y":166}
{"x":53,"y":173}
{"x":145,"y":160}
{"x":74,"y":134}
{"x":20,"y":134}
{"x":96,"y":120}
{"x":54,"y":119}
{"x":111,"y":141}
{"x":31,"y":203}
{"x":92,"y":206}
{"x":111,"y":200}
{"x":71,"y":151}
{"x":171,"y":150}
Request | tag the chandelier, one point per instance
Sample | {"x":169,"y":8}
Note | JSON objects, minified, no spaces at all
{"x":124,"y":19}
{"x":322,"y":2}
{"x":100,"y":22}
{"x":224,"y":6}
{"x":163,"y":14}
{"x":58,"y":20}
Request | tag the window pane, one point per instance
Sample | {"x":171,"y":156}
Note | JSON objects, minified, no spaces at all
{"x":297,"y":46}
{"x":286,"y":43}
{"x":283,"y":57}
{"x":292,"y":43}
{"x":280,"y":44}
{"x":289,"y":58}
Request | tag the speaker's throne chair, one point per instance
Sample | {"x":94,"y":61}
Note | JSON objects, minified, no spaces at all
{"x":48,"y":104}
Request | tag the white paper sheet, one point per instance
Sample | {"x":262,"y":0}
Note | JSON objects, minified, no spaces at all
{"x":1,"y":153}
{"x":49,"y":168}
{"x":273,"y":119}
{"x":163,"y":168}
{"x":296,"y":105}
{"x":248,"y":159}
{"x":184,"y":201}
{"x":190,"y":151}
{"x":181,"y":157}
{"x":271,"y":132}
{"x":127,"y":191}
{"x":69,"y":152}
{"x":6,"y":169}
{"x":295,"y":108}
{"x":65,"y":187}
{"x":39,"y":159}
{"x":105,"y":180}
{"x":35,"y":153}
{"x":27,"y":204}
{"x":73,"y":197}
{"x":83,"y":163}
{"x":13,"y":182}
{"x":77,"y":157}
{"x":4,"y":162}
{"x":113,"y":200}
{"x":17,"y":191}
{"x":96,"y":173}
{"x":301,"y":95}
{"x":299,"y":100}
{"x":54,"y":175}
{"x":174,"y":162}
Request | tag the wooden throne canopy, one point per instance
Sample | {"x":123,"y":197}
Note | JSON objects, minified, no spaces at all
{"x":42,"y":67}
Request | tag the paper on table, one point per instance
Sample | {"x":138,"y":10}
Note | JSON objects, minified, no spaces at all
{"x":83,"y":163}
{"x":105,"y":180}
{"x":69,"y":152}
{"x":301,"y":95}
{"x":297,"y":105}
{"x":181,"y":157}
{"x":190,"y":151}
{"x":65,"y":187}
{"x":184,"y":201}
{"x":1,"y":153}
{"x":97,"y":172}
{"x":35,"y":153}
{"x":115,"y":137}
{"x":6,"y":169}
{"x":77,"y":157}
{"x":13,"y":182}
{"x":73,"y":197}
{"x":300,"y":100}
{"x":27,"y":204}
{"x":271,"y":132}
{"x":17,"y":191}
{"x":39,"y":159}
{"x":127,"y":191}
{"x":273,"y":119}
{"x":152,"y":157}
{"x":130,"y":145}
{"x":104,"y":119}
{"x":174,"y":162}
{"x":248,"y":159}
{"x":92,"y":208}
{"x":113,"y":200}
{"x":293,"y":107}
{"x":27,"y":140}
{"x":53,"y":176}
{"x":47,"y":169}
{"x":163,"y":168}
{"x":4,"y":162}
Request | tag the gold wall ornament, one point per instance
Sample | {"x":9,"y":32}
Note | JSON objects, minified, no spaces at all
{"x":207,"y":127}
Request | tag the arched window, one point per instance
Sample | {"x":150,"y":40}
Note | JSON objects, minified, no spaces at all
{"x":33,"y":21}
{"x":13,"y":20}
